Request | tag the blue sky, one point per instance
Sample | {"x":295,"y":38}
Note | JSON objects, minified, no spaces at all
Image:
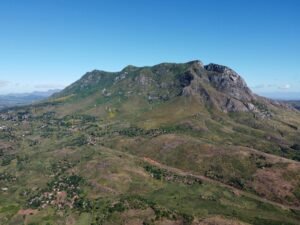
{"x":50,"y":44}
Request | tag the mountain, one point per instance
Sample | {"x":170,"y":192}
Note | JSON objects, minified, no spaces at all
{"x":282,"y":96}
{"x":168,"y":144}
{"x":295,"y":104}
{"x":213,"y":85}
{"x":20,"y":99}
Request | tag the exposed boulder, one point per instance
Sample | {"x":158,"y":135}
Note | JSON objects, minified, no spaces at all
{"x":233,"y":105}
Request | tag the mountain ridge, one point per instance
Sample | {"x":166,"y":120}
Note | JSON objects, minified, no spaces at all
{"x":237,"y":96}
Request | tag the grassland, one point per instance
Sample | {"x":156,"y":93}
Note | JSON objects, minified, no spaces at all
{"x":119,"y":149}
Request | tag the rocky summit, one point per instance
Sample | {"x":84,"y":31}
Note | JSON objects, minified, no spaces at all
{"x":173,"y":143}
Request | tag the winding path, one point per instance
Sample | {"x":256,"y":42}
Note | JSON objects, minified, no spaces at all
{"x":209,"y":180}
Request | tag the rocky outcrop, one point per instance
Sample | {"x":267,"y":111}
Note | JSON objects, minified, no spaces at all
{"x":229,"y":82}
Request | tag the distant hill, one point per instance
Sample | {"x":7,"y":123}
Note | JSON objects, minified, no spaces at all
{"x":11,"y":100}
{"x":282,"y":96}
{"x":295,"y":104}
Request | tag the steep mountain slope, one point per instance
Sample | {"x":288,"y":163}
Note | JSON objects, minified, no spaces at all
{"x":168,"y":144}
{"x":143,"y":96}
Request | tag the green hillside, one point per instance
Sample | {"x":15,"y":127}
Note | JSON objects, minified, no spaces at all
{"x":168,"y":144}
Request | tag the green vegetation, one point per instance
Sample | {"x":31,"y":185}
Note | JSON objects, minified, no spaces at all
{"x":154,"y":145}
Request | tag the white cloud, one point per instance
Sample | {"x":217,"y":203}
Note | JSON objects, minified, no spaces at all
{"x":259,"y":86}
{"x":3,"y":83}
{"x":49,"y":86}
{"x":264,"y":86}
{"x":285,"y":87}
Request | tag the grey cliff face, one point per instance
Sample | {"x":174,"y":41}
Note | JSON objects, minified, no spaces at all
{"x":228,"y":81}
